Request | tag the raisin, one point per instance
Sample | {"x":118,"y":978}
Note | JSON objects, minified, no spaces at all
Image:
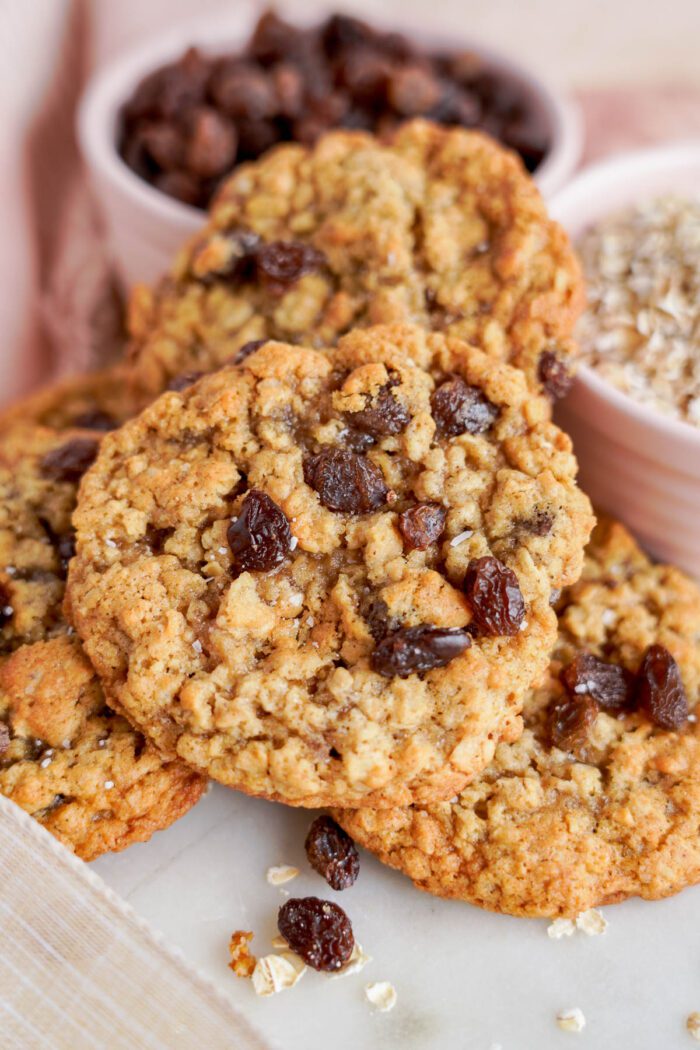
{"x":495,"y":598}
{"x":212,"y":143}
{"x":179,"y":185}
{"x":412,"y":91}
{"x":183,"y":380}
{"x":540,"y":524}
{"x":610,"y":685}
{"x":346,"y":481}
{"x":459,"y":408}
{"x":332,"y":853}
{"x":244,"y":91}
{"x":260,"y":537}
{"x":554,"y":375}
{"x":65,"y":549}
{"x":382,"y":416}
{"x":422,"y":525}
{"x":376,"y":615}
{"x":240,"y":261}
{"x":6,"y":610}
{"x":247,"y":349}
{"x":70,"y":461}
{"x":318,"y":931}
{"x":411,"y":650}
{"x":280,"y":264}
{"x":4,"y":739}
{"x":570,"y":720}
{"x":95,"y":419}
{"x":660,"y":691}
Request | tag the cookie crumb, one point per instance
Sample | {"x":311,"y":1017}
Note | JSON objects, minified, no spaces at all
{"x":242,"y":962}
{"x":592,"y":922}
{"x":382,"y":995}
{"x":357,"y":961}
{"x":281,"y":873}
{"x":693,"y":1025}
{"x":275,"y":973}
{"x":561,"y":928}
{"x":571,"y":1020}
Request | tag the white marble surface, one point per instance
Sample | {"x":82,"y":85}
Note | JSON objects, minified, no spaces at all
{"x":466,"y":980}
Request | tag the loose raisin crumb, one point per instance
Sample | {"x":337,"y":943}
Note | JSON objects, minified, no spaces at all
{"x":554,"y":375}
{"x":422,"y":525}
{"x":332,"y":853}
{"x":318,"y":931}
{"x":346,"y":481}
{"x":412,"y":650}
{"x":570,"y":720}
{"x":660,"y":691}
{"x":382,"y":416}
{"x":494,"y":596}
{"x":610,"y":685}
{"x":459,"y":408}
{"x":260,"y":537}
{"x":281,"y":264}
{"x":70,"y":461}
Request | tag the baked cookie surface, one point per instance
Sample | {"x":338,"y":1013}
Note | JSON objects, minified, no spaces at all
{"x":65,"y":757}
{"x":440,"y":227}
{"x":78,"y":768}
{"x":96,"y":401}
{"x":612,"y":812}
{"x":326,"y":576}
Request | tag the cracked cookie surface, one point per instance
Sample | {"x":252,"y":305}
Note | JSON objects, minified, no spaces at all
{"x":261,"y":587}
{"x":439,"y":227}
{"x":549,"y":831}
{"x":65,"y":757}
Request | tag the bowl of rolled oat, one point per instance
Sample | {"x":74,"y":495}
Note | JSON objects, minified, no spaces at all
{"x":634,"y":409}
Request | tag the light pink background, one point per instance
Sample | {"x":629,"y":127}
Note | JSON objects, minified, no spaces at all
{"x":635,"y":71}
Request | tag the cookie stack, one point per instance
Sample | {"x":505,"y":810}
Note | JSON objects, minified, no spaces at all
{"x":318,"y":538}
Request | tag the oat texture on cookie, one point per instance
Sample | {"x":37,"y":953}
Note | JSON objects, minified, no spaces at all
{"x":245,"y":587}
{"x":96,"y":401}
{"x":439,"y":227}
{"x":65,"y":757}
{"x":599,"y":799}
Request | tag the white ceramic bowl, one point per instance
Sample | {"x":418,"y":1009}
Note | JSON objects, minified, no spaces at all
{"x":145,"y":227}
{"x":635,"y":463}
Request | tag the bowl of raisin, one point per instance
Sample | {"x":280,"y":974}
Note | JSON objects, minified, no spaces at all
{"x":166,"y":123}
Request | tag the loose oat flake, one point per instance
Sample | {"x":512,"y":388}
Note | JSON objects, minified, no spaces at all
{"x":281,"y":873}
{"x":381,"y":994}
{"x":571,"y":1020}
{"x":275,"y":973}
{"x":561,"y":928}
{"x":693,"y":1025}
{"x":641,"y":331}
{"x":592,"y":922}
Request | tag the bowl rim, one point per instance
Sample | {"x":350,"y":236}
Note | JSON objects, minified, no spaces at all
{"x":592,"y":181}
{"x":110,"y":85}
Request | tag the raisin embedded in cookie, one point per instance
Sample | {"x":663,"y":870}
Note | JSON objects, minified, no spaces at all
{"x":321,"y":577}
{"x":73,"y":764}
{"x":65,"y":757}
{"x":439,"y":227}
{"x":599,"y":799}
